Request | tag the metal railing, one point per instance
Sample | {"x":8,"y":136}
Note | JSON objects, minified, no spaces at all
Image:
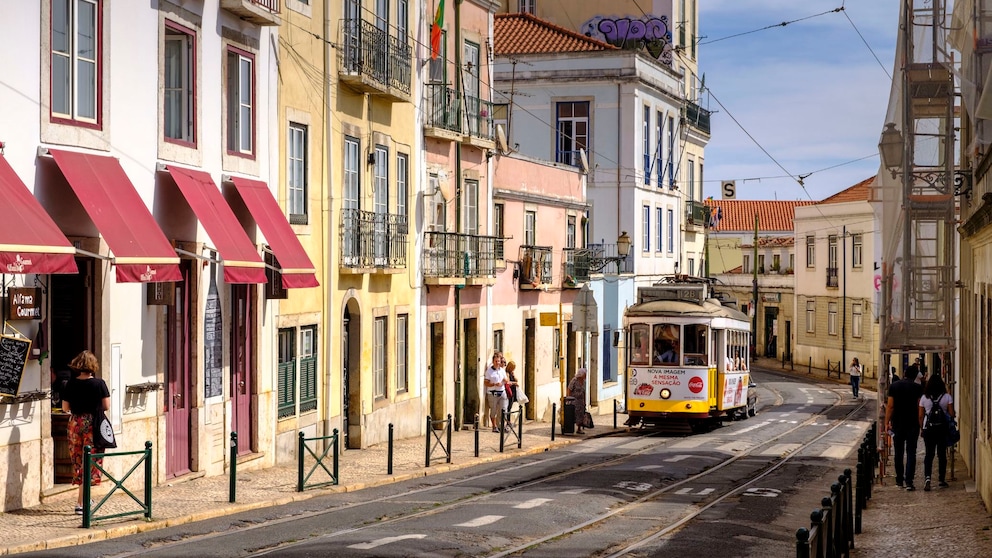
{"x":575,"y":266}
{"x":535,"y":265}
{"x":696,"y":213}
{"x":479,"y":115}
{"x":303,"y":449}
{"x":459,"y":255}
{"x":512,"y":423}
{"x":568,"y":157}
{"x":602,"y":256}
{"x":435,"y":441}
{"x":832,"y":277}
{"x":697,"y":116}
{"x":375,"y":53}
{"x":271,"y":5}
{"x":95,"y":461}
{"x":442,"y":108}
{"x":373,"y":240}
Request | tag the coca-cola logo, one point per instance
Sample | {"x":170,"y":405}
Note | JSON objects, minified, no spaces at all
{"x":696,"y":384}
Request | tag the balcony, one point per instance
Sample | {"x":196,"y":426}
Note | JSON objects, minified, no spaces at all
{"x":459,"y":259}
{"x":697,"y":117}
{"x":481,"y":131}
{"x":697,"y":215}
{"x":534,"y":267}
{"x":575,"y":267}
{"x":603,"y":258}
{"x":259,"y":12}
{"x":442,"y":112}
{"x":373,"y":242}
{"x":372,"y":60}
{"x":832,"y":277}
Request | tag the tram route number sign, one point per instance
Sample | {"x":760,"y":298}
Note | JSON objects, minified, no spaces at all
{"x":14,"y":353}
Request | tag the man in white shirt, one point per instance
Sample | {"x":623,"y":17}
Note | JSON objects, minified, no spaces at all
{"x":495,"y":380}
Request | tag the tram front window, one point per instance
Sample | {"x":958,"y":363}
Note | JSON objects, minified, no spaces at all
{"x":696,"y":340}
{"x":640,"y":343}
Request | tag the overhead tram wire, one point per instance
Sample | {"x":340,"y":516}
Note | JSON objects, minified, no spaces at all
{"x":765,"y":28}
{"x":858,"y":31}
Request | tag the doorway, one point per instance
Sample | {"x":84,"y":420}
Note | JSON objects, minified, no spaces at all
{"x":242,"y":362}
{"x":437,"y":370}
{"x":179,"y":397}
{"x":530,"y":368}
{"x":351,"y":378}
{"x":470,"y":367}
{"x":771,"y":329}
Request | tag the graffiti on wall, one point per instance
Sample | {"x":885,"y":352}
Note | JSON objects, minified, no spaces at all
{"x":652,"y":34}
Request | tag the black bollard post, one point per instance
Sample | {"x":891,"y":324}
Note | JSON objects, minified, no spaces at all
{"x":520,"y":428}
{"x":554,"y":413}
{"x":234,"y":468}
{"x":449,"y":437}
{"x":477,"y":434}
{"x":427,"y":443}
{"x":502,"y":430}
{"x":809,"y":370}
{"x":148,"y":479}
{"x":299,"y":464}
{"x":389,"y":453}
{"x":614,"y":414}
{"x":337,"y":455}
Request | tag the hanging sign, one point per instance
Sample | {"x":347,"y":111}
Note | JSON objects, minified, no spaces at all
{"x":24,"y":303}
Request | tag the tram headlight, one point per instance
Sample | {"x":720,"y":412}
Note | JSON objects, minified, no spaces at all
{"x":666,"y":393}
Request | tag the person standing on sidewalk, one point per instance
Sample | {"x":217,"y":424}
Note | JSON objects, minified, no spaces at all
{"x":577,"y":389}
{"x":902,"y":418}
{"x":495,"y":380}
{"x":935,"y":437}
{"x":84,"y":396}
{"x":855,"y":372}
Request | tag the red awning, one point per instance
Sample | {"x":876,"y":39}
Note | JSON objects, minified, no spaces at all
{"x":242,"y":264}
{"x":295,"y":266}
{"x":142,"y":254}
{"x":30,"y":242}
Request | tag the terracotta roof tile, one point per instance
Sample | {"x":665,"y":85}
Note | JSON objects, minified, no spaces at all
{"x":522,"y":33}
{"x":772,"y":242}
{"x":859,"y":192}
{"x":738,"y":215}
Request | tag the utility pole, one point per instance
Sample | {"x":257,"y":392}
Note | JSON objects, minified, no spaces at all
{"x":754,"y":294}
{"x":843,"y":319}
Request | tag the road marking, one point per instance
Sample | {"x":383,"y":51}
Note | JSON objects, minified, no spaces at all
{"x":765,"y":492}
{"x":705,"y":491}
{"x":532,"y":503}
{"x":781,"y":449}
{"x":386,"y":540}
{"x":635,"y":486}
{"x":683,"y":491}
{"x":677,"y":458}
{"x":689,"y":490}
{"x":646,"y":467}
{"x":836,"y":452}
{"x":574,"y":491}
{"x":480,"y":521}
{"x":689,"y":444}
{"x":753,"y":427}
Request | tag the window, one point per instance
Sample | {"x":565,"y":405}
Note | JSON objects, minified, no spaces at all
{"x":646,"y":138}
{"x":439,"y":66}
{"x":746,"y":268}
{"x":287,"y":372}
{"x":857,"y":314}
{"x":671,"y":231}
{"x":380,"y":201}
{"x":379,"y":358}
{"x":530,"y":222}
{"x":352,"y":202}
{"x":691,"y":180}
{"x":75,"y":54}
{"x":776,"y":262}
{"x":240,"y":102}
{"x":683,"y":21}
{"x":761,"y":263}
{"x":402,"y":354}
{"x":498,"y":220}
{"x":659,"y":212}
{"x":692,"y":266}
{"x":179,"y":79}
{"x":810,"y":316}
{"x":470,"y":83}
{"x":296,"y":174}
{"x":832,"y":318}
{"x":526,"y":6}
{"x":832,"y":251}
{"x":659,"y":125}
{"x":570,"y":232}
{"x":573,"y":131}
{"x":403,"y":23}
{"x":436,"y":212}
{"x":501,"y":117}
{"x":702,"y":184}
{"x":308,"y":369}
{"x":810,"y":251}
{"x":470,"y":207}
{"x":671,"y":152}
{"x":556,"y":350}
{"x":498,"y":340}
{"x":792,"y":262}
{"x":402,"y":183}
{"x":856,"y":243}
{"x":646,"y":228}
{"x":382,"y":15}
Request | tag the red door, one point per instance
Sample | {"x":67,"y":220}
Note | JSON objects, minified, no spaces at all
{"x":242,"y":360}
{"x":179,"y":397}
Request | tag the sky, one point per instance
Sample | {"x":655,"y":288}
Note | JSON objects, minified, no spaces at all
{"x":810,"y":93}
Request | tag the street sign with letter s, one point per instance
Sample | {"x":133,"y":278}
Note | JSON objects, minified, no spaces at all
{"x":728,"y":189}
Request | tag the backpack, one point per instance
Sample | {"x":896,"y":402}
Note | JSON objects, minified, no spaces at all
{"x":936,"y":418}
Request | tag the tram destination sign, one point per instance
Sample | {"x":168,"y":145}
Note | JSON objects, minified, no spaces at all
{"x":24,"y":303}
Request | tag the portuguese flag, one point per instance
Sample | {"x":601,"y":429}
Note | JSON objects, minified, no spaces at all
{"x":436,"y":28}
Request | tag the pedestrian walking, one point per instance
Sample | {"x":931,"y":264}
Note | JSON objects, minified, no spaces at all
{"x":902,"y":418}
{"x":577,"y":390}
{"x":495,"y":380}
{"x":855,"y":372}
{"x":84,"y":397}
{"x":935,"y":414}
{"x":511,"y":384}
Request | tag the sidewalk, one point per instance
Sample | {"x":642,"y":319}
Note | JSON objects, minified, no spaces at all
{"x":53,"y":524}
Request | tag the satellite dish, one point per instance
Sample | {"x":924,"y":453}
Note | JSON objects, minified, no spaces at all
{"x":501,"y":139}
{"x":583,"y":161}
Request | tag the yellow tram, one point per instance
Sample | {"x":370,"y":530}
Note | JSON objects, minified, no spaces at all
{"x":686,"y":357}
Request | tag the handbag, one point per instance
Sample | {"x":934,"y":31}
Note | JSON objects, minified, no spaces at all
{"x":953,"y":434}
{"x":522,"y":397}
{"x":103,"y":431}
{"x":588,"y":421}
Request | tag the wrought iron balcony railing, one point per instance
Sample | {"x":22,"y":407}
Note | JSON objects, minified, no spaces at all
{"x":459,"y":255}
{"x":535,"y":266}
{"x":603,"y":256}
{"x":697,"y":116}
{"x":442,"y":108}
{"x":575,"y":266}
{"x":479,"y":115}
{"x":697,"y":214}
{"x":832,"y":277}
{"x":377,"y":57}
{"x":259,"y":12}
{"x":373,"y":240}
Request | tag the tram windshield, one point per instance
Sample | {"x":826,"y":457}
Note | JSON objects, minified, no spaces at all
{"x":640,"y":343}
{"x":696,"y":341}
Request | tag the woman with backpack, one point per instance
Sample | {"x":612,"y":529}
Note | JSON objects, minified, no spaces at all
{"x":936,"y":413}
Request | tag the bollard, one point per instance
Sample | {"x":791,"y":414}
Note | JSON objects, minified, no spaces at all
{"x":232,"y":489}
{"x":802,"y":543}
{"x":449,"y":437}
{"x":148,"y":480}
{"x":614,"y":414}
{"x":477,"y":434}
{"x":810,"y":369}
{"x":389,"y":452}
{"x":87,"y":465}
{"x":520,"y":428}
{"x":554,"y":413}
{"x":299,"y":464}
{"x":502,"y":430}
{"x":337,"y":477}
{"x":427,"y":444}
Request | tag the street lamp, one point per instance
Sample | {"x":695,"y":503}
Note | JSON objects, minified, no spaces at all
{"x":892,"y":150}
{"x":623,"y":245}
{"x":598,"y":261}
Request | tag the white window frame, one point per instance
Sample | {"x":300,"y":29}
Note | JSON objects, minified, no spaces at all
{"x":568,"y":139}
{"x":470,"y":207}
{"x":810,"y":316}
{"x":379,"y":358}
{"x":530,"y":231}
{"x":178,"y":84}
{"x":526,"y":6}
{"x":352,"y":173}
{"x":646,"y":228}
{"x":74,"y":63}
{"x":857,"y":243}
{"x":659,"y":214}
{"x":646,"y":144}
{"x":810,"y":251}
{"x":402,"y":183}
{"x":831,"y":318}
{"x":296,"y":173}
{"x":402,"y":352}
{"x":857,"y":316}
{"x":240,"y":102}
{"x":671,"y":231}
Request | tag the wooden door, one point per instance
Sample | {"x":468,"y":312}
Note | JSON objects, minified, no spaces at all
{"x":242,"y":364}
{"x":178,"y":386}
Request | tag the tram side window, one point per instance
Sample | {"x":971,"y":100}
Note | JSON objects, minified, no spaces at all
{"x":695,"y":341}
{"x":640,"y":344}
{"x":666,"y":345}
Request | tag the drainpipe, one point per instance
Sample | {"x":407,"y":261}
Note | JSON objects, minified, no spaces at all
{"x":325,"y":203}
{"x":619,"y":122}
{"x":459,"y":385}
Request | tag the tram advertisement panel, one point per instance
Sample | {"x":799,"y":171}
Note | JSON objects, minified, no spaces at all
{"x":734,"y":390}
{"x":685,"y":385}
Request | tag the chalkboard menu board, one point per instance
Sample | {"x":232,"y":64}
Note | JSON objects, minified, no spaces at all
{"x":213,"y":341}
{"x":13,"y":356}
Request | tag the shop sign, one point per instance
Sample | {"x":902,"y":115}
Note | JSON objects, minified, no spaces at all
{"x":24,"y":303}
{"x":771,"y":297}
